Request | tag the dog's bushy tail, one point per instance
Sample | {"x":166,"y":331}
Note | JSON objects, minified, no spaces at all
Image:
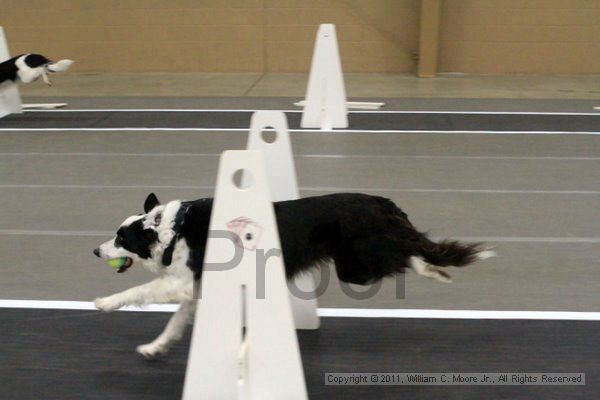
{"x":450,"y":252}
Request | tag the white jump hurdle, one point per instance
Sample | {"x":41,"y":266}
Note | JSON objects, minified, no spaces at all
{"x":281,"y":176}
{"x":227,"y":361}
{"x":10,"y":99}
{"x":325,"y":105}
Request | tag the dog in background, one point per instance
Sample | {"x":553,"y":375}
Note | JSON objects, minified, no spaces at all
{"x":367,"y":238}
{"x":30,"y":67}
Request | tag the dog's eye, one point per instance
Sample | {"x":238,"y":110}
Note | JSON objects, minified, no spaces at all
{"x":157,"y":219}
{"x":119,"y":241}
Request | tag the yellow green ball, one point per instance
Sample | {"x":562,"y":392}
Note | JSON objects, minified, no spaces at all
{"x":117,"y":262}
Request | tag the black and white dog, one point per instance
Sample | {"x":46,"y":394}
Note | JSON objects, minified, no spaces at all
{"x":29,"y":67}
{"x":366,"y":237}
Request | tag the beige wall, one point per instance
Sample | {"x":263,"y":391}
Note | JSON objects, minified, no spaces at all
{"x":477,"y":36}
{"x":373,"y":35}
{"x":520,"y":36}
{"x":212,"y":35}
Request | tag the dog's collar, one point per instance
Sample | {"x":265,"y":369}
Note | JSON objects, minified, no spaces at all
{"x":167,"y":257}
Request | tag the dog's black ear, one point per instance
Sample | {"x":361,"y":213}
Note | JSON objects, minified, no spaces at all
{"x":151,"y":202}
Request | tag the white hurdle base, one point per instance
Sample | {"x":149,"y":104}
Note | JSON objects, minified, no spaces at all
{"x":357,"y":105}
{"x":44,"y":106}
{"x":266,"y":355}
{"x":283,"y":185}
{"x":10,"y":99}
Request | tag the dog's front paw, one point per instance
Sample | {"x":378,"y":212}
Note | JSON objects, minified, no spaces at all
{"x":106,"y":304}
{"x":150,"y":350}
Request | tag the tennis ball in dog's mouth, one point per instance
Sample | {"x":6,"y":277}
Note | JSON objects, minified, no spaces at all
{"x":117,"y":262}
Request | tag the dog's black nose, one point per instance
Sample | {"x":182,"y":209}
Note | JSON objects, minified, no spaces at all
{"x":97,"y":252}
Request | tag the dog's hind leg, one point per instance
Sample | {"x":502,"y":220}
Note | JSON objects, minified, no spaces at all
{"x":173,"y":331}
{"x":365,"y":261}
{"x":45,"y":78}
{"x":350,"y":270}
{"x":424,"y":269}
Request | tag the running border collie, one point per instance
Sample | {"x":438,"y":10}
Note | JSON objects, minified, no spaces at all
{"x":366,"y":237}
{"x":30,"y":67}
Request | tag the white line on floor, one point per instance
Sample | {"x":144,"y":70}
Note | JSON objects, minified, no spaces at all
{"x":299,"y":111}
{"x":166,"y":110}
{"x":77,"y":305}
{"x":526,"y":239}
{"x":44,"y":186}
{"x":419,"y":190}
{"x":338,"y":312}
{"x":337,"y":131}
{"x":313,"y":189}
{"x":457,"y":314}
{"x":38,"y":232}
{"x":335,"y":156}
{"x":498,"y":239}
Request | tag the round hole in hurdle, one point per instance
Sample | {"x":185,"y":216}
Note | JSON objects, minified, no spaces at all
{"x":242,"y":179}
{"x":269,"y":135}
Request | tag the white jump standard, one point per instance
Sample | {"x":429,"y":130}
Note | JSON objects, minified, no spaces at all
{"x":283,"y":185}
{"x":266,"y":354}
{"x":325,"y":102}
{"x":325,"y":106}
{"x":10,"y":99}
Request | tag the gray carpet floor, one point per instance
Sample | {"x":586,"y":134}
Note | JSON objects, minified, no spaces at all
{"x":533,"y":197}
{"x":58,"y":354}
